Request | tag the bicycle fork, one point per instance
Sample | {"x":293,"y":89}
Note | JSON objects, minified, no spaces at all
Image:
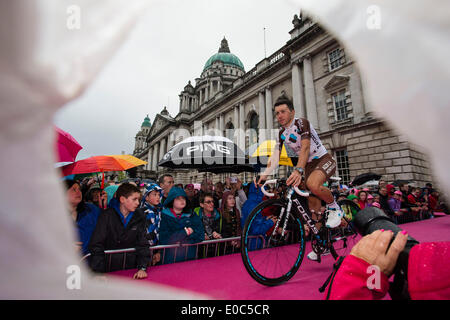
{"x":283,"y":211}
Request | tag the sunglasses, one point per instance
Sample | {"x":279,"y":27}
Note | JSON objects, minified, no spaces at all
{"x":208,"y":202}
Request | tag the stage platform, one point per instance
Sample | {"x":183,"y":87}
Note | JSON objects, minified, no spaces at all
{"x":225,"y":278}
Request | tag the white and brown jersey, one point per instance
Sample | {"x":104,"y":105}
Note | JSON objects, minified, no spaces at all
{"x":292,"y":137}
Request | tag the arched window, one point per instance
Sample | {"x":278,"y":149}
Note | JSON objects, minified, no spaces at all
{"x":229,"y":130}
{"x":254,"y":125}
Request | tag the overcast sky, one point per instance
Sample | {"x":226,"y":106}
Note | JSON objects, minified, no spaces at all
{"x":168,"y":47}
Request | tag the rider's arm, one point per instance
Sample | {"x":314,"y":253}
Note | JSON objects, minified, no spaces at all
{"x":296,"y":178}
{"x":303,"y":154}
{"x":273,"y":162}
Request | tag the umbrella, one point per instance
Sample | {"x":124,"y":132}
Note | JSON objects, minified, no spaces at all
{"x":362,"y":178}
{"x":102,"y":164}
{"x":148,"y":181}
{"x":66,"y":146}
{"x":265,"y":150}
{"x":236,"y":168}
{"x":79,"y":176}
{"x":399,"y":182}
{"x":200,"y":152}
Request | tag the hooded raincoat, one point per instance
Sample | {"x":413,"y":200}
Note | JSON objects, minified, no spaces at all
{"x":172,"y":229}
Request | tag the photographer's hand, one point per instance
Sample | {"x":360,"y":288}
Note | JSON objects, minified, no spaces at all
{"x":373,"y":249}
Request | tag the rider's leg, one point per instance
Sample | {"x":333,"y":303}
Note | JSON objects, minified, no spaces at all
{"x":315,"y":205}
{"x":315,"y":183}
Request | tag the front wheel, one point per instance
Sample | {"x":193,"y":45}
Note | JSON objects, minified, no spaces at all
{"x":270,"y":256}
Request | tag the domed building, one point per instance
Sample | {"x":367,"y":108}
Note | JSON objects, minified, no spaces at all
{"x":225,"y":60}
{"x":324,"y":82}
{"x":140,"y":141}
{"x":218,"y":74}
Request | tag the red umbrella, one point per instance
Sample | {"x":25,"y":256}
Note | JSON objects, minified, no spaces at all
{"x":66,"y":146}
{"x":102,"y":164}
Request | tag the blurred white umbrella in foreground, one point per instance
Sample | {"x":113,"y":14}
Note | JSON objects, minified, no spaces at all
{"x":48,"y":57}
{"x":401,"y":49}
{"x":49,"y":54}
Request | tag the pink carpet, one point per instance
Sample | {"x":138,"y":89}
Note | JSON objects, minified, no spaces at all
{"x":225,"y":278}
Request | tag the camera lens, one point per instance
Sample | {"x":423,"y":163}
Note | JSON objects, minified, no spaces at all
{"x":371,"y":219}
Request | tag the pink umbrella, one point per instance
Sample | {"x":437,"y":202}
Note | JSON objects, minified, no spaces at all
{"x":67,"y":147}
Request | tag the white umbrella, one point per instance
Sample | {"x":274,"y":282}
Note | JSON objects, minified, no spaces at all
{"x":197,"y":152}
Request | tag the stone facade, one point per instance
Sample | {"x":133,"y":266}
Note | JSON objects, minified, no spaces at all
{"x":325,"y":84}
{"x":377,"y":148}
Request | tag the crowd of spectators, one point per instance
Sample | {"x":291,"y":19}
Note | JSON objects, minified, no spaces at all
{"x":143,"y":216}
{"x":402,"y":202}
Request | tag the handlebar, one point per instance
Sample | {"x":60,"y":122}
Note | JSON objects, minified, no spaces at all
{"x":273,"y":181}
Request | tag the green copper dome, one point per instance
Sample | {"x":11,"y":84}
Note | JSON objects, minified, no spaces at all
{"x":225,"y":56}
{"x":146,"y":122}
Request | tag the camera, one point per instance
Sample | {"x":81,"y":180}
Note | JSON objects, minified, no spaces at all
{"x":371,"y":219}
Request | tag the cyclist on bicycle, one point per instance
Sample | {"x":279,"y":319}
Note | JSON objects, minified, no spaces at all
{"x":312,"y":162}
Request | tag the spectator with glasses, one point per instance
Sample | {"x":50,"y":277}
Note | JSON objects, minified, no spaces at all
{"x":212,"y":221}
{"x":211,"y":218}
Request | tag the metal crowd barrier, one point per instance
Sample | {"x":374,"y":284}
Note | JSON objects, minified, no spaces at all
{"x":411,"y":217}
{"x":178,"y":246}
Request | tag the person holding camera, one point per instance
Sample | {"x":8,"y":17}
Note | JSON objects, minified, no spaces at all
{"x":421,"y":269}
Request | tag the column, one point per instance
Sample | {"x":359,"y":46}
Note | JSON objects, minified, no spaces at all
{"x":269,"y":110}
{"x":241,"y":140}
{"x":216,"y":124}
{"x":207,"y":92}
{"x":170,"y":140}
{"x":221,"y":124}
{"x":310,"y":93}
{"x":262,"y":117}
{"x":236,"y":124}
{"x":150,"y":158}
{"x":155,"y":157}
{"x":297,"y":91}
{"x":201,"y":97}
{"x":162,"y":150}
{"x":154,"y":160}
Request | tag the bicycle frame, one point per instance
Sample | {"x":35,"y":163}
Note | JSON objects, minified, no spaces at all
{"x":302,"y":211}
{"x":304,"y":214}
